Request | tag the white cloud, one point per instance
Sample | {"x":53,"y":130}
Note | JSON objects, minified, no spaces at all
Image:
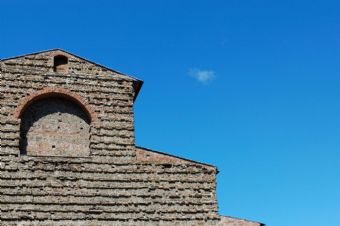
{"x":203,"y":76}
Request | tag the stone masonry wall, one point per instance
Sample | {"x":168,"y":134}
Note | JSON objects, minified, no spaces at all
{"x":109,"y":94}
{"x":110,"y":186}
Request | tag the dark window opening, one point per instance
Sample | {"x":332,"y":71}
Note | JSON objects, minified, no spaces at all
{"x":60,"y":63}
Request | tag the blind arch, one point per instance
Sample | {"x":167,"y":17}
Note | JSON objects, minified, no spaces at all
{"x":54,"y":126}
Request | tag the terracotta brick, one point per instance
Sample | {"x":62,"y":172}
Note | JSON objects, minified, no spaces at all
{"x":47,"y":92}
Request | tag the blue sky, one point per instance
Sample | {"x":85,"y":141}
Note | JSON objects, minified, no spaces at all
{"x":249,"y":86}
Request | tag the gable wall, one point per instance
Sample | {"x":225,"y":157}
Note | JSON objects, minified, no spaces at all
{"x":108,"y":187}
{"x":109,"y":94}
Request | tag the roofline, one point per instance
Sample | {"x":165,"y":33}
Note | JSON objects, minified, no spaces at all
{"x":138,"y":87}
{"x":28,"y":54}
{"x":138,"y":82}
{"x":237,"y":218}
{"x":175,"y":156}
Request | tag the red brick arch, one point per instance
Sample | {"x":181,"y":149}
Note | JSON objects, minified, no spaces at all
{"x":54,"y":92}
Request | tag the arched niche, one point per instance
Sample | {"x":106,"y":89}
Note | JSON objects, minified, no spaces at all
{"x":54,"y":122}
{"x":54,"y":127}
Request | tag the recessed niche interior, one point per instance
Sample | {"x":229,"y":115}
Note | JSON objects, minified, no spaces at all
{"x":54,"y":127}
{"x":60,"y":64}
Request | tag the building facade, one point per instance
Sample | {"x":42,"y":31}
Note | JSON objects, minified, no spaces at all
{"x":68,"y":153}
